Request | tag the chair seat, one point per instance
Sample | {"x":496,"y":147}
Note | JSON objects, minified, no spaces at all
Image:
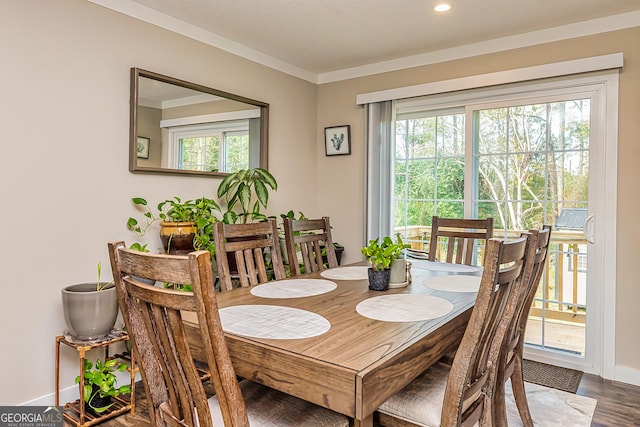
{"x":420,"y":402}
{"x":269,"y":407}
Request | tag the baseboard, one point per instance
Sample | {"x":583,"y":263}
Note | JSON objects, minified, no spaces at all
{"x":626,"y":375}
{"x":70,"y":394}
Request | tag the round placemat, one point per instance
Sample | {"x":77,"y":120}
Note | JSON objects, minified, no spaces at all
{"x":404,"y":308}
{"x":293,"y":288}
{"x":457,"y":283}
{"x":346,"y":273}
{"x":444,"y":266}
{"x":272,"y":321}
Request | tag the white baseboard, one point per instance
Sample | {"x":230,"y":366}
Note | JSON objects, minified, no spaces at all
{"x":70,"y":394}
{"x":627,"y":375}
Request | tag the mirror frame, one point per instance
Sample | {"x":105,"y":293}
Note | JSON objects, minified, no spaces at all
{"x":136,"y":73}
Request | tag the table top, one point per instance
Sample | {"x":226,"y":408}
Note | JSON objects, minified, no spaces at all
{"x":359,"y":361}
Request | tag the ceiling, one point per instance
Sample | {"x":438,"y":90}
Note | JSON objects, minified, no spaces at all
{"x":326,"y":40}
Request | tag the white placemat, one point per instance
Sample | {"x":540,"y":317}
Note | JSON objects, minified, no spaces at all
{"x":272,"y":321}
{"x":404,"y":308}
{"x":293,"y":288}
{"x":457,"y":283}
{"x":444,"y":266}
{"x":346,"y":273}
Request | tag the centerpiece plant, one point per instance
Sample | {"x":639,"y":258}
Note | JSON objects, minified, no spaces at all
{"x":380,"y":254}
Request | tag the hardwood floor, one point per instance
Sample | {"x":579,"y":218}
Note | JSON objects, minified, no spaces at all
{"x":618,"y":405}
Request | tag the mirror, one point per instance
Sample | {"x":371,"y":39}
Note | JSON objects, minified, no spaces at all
{"x":185,"y":128}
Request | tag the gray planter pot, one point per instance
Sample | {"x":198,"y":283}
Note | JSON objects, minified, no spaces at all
{"x":89,"y":314}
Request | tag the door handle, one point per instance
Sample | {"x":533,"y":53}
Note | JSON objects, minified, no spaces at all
{"x":587,"y":229}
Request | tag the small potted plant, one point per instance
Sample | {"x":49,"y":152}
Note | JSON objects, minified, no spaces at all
{"x":100,"y":384}
{"x":380,"y":254}
{"x":184,"y":225}
{"x":90,"y":309}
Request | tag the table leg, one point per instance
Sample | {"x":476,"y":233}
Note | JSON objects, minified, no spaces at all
{"x":366,"y":422}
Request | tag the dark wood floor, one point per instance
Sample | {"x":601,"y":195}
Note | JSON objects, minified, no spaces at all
{"x":618,"y":405}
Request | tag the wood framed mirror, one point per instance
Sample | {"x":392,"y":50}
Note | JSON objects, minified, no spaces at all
{"x":181,"y":127}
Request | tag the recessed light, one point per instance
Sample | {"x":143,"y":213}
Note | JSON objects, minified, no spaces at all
{"x":442,"y":7}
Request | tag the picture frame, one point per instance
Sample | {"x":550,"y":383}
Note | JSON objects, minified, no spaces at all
{"x":143,"y":147}
{"x":337,"y":140}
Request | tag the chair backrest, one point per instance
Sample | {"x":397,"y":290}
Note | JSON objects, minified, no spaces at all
{"x":515,"y":333}
{"x":459,"y":235}
{"x":469,"y":389}
{"x":240,"y":250}
{"x":310,"y":236}
{"x":152,"y":317}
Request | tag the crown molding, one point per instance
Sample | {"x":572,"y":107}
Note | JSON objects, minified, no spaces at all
{"x":579,"y":29}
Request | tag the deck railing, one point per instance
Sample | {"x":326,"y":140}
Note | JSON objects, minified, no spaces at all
{"x":561,"y":292}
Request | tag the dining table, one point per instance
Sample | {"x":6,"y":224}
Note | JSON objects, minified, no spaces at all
{"x":326,"y":338}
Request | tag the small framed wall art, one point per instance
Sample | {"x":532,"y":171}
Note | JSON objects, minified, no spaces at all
{"x":337,"y":140}
{"x":143,"y":147}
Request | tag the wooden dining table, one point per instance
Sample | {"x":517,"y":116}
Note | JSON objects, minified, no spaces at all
{"x":355,"y":363}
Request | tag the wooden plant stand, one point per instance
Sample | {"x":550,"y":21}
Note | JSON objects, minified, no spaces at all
{"x":75,"y":412}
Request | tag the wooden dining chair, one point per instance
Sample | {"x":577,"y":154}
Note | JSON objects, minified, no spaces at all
{"x":174,"y":390}
{"x":459,"y":236}
{"x":310,"y":236}
{"x":461,"y":394}
{"x":510,"y":362}
{"x":241,"y":250}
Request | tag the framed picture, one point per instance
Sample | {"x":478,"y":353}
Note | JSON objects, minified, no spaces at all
{"x":143,"y":147}
{"x":337,"y":140}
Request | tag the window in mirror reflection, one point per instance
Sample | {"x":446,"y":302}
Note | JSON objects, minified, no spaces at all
{"x":210,"y":147}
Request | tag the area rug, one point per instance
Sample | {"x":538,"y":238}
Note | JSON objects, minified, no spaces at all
{"x":551,"y":376}
{"x":551,"y":407}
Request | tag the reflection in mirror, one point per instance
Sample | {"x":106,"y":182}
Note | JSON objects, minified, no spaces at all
{"x":185,"y":128}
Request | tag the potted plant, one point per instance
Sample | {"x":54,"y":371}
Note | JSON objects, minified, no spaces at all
{"x":90,"y":309}
{"x":380,"y":254}
{"x":184,"y":225}
{"x":100,"y":384}
{"x":242,"y":188}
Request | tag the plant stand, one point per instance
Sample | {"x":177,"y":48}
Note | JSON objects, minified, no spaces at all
{"x":75,"y":412}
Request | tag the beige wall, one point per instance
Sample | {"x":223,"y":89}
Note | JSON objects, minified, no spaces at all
{"x":66,"y":188}
{"x":336,"y":105}
{"x":65,"y":185}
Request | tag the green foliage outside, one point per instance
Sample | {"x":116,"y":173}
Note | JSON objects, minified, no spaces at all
{"x":530,"y":161}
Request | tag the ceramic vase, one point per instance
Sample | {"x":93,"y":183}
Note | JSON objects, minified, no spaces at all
{"x":88,"y":313}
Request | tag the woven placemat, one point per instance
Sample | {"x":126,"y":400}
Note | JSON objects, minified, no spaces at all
{"x":551,"y":376}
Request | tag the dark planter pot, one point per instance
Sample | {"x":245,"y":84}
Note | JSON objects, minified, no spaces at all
{"x":88,"y":313}
{"x":96,"y":401}
{"x":379,"y":280}
{"x":338,"y":250}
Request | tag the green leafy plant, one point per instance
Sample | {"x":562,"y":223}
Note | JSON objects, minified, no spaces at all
{"x":242,"y":188}
{"x":101,"y":382}
{"x":380,"y":254}
{"x":99,"y":285}
{"x":200,"y":211}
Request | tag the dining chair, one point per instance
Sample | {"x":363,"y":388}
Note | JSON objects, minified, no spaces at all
{"x":174,"y":390}
{"x":241,"y":250}
{"x":460,"y":236}
{"x":510,"y":361}
{"x":311,"y":236}
{"x":461,"y":394}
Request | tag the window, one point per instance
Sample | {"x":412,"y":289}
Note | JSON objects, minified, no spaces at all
{"x":210,"y":147}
